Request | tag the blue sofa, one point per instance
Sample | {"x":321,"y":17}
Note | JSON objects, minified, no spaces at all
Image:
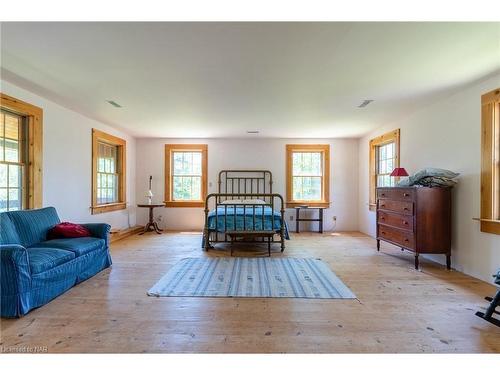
{"x":35,"y":270}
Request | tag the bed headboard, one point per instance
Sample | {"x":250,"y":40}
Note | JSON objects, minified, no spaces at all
{"x":245,"y":182}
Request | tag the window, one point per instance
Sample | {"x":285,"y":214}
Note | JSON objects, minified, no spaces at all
{"x":185,"y":175}
{"x":20,"y":155}
{"x":12,"y":161}
{"x":384,"y":157}
{"x":308,"y":175}
{"x":108,"y":172}
{"x":490,"y":162}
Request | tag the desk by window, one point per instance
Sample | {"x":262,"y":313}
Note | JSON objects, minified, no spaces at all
{"x":319,"y":219}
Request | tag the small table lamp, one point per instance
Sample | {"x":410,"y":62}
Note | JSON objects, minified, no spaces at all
{"x":399,"y":172}
{"x":149,"y":194}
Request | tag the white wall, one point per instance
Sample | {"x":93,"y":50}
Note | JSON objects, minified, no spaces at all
{"x":67,"y":159}
{"x":445,"y":135}
{"x":251,"y":154}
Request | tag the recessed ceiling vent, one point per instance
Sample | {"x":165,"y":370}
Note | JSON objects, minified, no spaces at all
{"x":365,"y":103}
{"x":252,"y":132}
{"x":114,"y":104}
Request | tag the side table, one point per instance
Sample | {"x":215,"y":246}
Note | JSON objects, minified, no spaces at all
{"x":319,"y":219}
{"x":151,"y":225}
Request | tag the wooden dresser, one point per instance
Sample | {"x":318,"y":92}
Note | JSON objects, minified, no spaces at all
{"x":416,"y":219}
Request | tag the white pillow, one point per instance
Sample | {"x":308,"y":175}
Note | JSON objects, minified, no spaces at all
{"x":254,"y":201}
{"x":232,"y":201}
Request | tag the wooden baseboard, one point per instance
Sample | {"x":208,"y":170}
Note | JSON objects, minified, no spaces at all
{"x":121,"y":234}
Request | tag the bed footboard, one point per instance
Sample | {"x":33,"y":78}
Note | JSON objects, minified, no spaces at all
{"x":244,"y":222}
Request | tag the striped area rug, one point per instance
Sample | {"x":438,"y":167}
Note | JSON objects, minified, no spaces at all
{"x":251,"y":277}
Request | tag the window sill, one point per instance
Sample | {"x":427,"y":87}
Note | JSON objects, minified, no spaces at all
{"x":184,"y":204}
{"x":489,"y":225}
{"x":108,"y":207}
{"x":308,"y":203}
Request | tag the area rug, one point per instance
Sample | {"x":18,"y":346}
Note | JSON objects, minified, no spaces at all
{"x":251,"y":277}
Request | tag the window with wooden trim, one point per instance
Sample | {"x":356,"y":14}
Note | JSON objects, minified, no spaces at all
{"x":384,"y":157}
{"x":185,"y":175}
{"x":308,"y":175}
{"x":108,"y":172}
{"x":20,"y":155}
{"x":490,"y":162}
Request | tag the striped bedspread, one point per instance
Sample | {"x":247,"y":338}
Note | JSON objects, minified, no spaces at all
{"x":244,"y":219}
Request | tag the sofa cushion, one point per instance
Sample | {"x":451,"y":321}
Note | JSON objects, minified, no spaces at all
{"x":80,"y":245}
{"x":43,"y":259}
{"x":32,"y":225}
{"x":68,"y":230}
{"x":8,"y":233}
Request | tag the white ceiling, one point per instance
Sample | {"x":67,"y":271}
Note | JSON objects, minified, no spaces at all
{"x":222,"y":79}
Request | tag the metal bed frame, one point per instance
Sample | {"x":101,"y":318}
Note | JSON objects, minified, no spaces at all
{"x":244,"y":184}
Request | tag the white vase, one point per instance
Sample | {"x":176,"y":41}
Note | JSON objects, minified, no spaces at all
{"x":149,"y":195}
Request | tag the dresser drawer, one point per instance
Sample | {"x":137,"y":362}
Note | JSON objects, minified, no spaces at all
{"x":400,"y":237}
{"x":405,"y":208}
{"x":396,"y":220}
{"x":399,"y":194}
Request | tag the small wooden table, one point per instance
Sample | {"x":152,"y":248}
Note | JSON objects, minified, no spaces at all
{"x":151,"y":225}
{"x":319,"y":219}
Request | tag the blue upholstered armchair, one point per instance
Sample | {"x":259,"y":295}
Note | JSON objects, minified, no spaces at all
{"x":35,"y":270}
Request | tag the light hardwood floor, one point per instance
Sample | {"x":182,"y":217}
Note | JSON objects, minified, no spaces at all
{"x":398,"y":309}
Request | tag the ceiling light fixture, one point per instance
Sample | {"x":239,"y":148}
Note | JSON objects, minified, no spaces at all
{"x":365,"y":103}
{"x":114,"y":104}
{"x":252,"y":132}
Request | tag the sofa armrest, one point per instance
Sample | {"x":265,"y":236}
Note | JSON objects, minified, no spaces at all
{"x":15,"y":269}
{"x":99,"y":230}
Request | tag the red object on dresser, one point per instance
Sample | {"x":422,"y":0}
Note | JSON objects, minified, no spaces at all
{"x":399,"y":172}
{"x":68,"y":230}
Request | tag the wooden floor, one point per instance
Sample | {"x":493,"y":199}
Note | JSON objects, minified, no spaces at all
{"x":398,"y":309}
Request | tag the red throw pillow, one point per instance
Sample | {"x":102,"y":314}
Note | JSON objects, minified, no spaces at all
{"x":68,"y":230}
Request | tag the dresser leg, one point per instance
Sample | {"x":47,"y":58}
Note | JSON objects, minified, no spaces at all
{"x":448,"y":261}
{"x":416,"y":261}
{"x":378,"y":245}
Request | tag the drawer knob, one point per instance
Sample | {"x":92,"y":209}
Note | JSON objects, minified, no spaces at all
{"x":405,"y":222}
{"x":406,"y":195}
{"x":383,"y":232}
{"x":382,"y":218}
{"x":382,"y":205}
{"x":406,"y":208}
{"x":383,"y":194}
{"x":407,"y":240}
